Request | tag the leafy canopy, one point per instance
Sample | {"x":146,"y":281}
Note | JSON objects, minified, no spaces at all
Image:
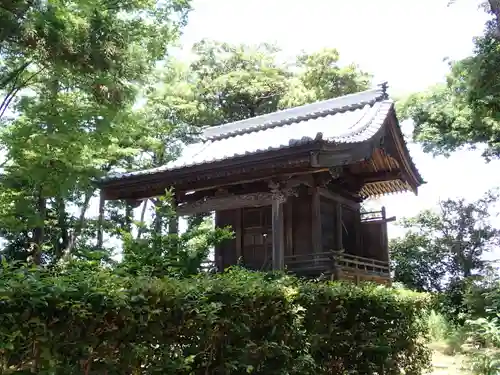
{"x":444,"y":247}
{"x":465,"y":110}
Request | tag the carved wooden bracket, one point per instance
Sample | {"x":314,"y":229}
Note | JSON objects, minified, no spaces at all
{"x":281,"y":191}
{"x":336,"y":172}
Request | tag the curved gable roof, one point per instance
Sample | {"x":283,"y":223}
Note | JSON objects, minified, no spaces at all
{"x":348,"y":119}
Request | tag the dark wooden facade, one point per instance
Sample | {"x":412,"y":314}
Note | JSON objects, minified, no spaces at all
{"x":323,"y":234}
{"x":290,"y":185}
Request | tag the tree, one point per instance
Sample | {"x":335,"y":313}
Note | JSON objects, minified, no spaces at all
{"x":107,"y":45}
{"x":235,"y":82}
{"x":464,"y":111}
{"x":173,"y":254}
{"x":322,"y":75}
{"x":87,"y":62}
{"x":442,"y":248}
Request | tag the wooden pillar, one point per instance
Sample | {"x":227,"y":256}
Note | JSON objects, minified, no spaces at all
{"x":278,"y":231}
{"x":338,"y":226}
{"x":218,"y":257}
{"x":385,"y":244}
{"x":289,"y":228}
{"x":338,"y":238}
{"x":383,"y":236}
{"x":317,"y":242}
{"x":238,"y":233}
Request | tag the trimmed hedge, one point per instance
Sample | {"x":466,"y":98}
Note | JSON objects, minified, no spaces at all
{"x":91,"y":321}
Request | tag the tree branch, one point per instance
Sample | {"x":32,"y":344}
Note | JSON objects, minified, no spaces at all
{"x":143,"y":214}
{"x":81,"y":223}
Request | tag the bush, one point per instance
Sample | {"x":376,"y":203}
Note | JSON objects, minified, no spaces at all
{"x":87,"y":320}
{"x":439,"y":327}
{"x":484,"y":335}
{"x":365,"y":329}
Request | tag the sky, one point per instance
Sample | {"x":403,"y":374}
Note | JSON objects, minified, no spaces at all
{"x":399,"y":41}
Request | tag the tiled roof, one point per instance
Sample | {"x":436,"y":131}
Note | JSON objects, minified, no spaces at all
{"x":347,"y":119}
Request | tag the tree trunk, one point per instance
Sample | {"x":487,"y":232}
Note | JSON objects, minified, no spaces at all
{"x":173,"y":225}
{"x":129,"y":214}
{"x":62,"y":221}
{"x":143,"y":214}
{"x":39,"y":230}
{"x":80,"y":224}
{"x":100,"y":222}
{"x":495,"y":9}
{"x":158,"y":220}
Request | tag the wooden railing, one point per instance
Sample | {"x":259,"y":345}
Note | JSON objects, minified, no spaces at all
{"x":326,"y":261}
{"x":362,"y":263}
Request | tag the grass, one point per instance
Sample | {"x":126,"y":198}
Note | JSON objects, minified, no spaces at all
{"x":447,"y":362}
{"x":449,"y":349}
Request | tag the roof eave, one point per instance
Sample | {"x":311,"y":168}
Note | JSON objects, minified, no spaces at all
{"x":210,"y":171}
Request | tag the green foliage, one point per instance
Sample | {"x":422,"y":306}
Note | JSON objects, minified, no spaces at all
{"x":478,"y":337}
{"x":174,"y":255}
{"x":485,"y":362}
{"x":84,"y":319}
{"x":71,"y":73}
{"x":322,"y":75}
{"x":448,"y":244}
{"x":445,"y":335}
{"x":485,"y":337}
{"x":464,"y":111}
{"x":365,"y":330}
{"x":235,"y":82}
{"x":104,"y":45}
{"x":438,"y":326}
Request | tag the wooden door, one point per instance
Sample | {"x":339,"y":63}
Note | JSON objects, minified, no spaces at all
{"x":257,"y":237}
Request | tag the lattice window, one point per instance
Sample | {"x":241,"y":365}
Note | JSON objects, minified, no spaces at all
{"x":257,"y":237}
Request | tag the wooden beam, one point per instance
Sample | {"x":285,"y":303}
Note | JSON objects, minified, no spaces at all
{"x":338,"y":198}
{"x":306,"y":179}
{"x":147,"y":189}
{"x":225,"y":203}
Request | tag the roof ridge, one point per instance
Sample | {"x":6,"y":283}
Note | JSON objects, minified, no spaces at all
{"x":305,"y":112}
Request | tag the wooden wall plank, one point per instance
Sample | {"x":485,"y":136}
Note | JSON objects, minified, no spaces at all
{"x":316,"y":220}
{"x":338,"y":226}
{"x":289,"y":227}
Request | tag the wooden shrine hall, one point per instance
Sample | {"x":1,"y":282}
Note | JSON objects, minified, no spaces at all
{"x":290,"y":184}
